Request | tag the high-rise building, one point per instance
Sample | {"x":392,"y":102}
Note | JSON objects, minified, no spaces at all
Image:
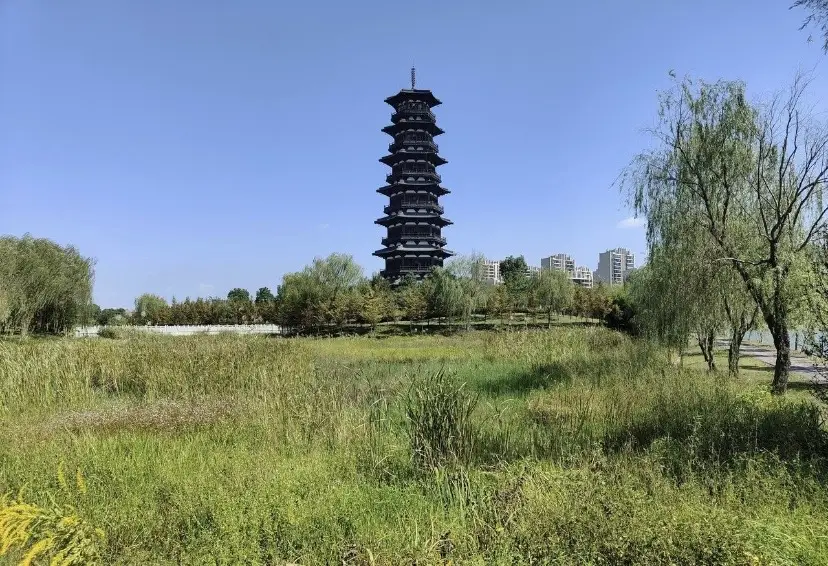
{"x":582,"y":276}
{"x":491,"y":272}
{"x":414,"y":243}
{"x":614,"y":265}
{"x":561,"y":262}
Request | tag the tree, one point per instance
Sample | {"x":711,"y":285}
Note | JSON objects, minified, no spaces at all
{"x":239,"y":295}
{"x":90,"y":314}
{"x":112,"y":317}
{"x":322,"y":293}
{"x":149,"y":309}
{"x":753,"y":176}
{"x":44,"y":287}
{"x":469,"y":272}
{"x":817,"y":15}
{"x":413,"y":300}
{"x":514,"y":272}
{"x":264,"y":296}
{"x":497,"y":301}
{"x":444,"y":295}
{"x":553,"y":291}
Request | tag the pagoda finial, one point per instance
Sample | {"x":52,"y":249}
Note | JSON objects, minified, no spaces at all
{"x":413,"y":77}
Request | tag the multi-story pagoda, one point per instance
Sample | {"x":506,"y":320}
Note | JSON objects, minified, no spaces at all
{"x":414,"y":243}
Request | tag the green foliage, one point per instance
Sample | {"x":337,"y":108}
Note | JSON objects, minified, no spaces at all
{"x":440,"y":428}
{"x":584,"y":447}
{"x":238,"y":295}
{"x":553,"y":291}
{"x":743,"y":184}
{"x":621,"y":314}
{"x":817,"y":16}
{"x":112,"y":317}
{"x":150,"y":309}
{"x":513,"y":269}
{"x":323,"y":294}
{"x":44,"y":287}
{"x":264,"y":295}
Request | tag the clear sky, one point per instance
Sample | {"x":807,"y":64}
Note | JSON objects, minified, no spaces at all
{"x":191,"y":146}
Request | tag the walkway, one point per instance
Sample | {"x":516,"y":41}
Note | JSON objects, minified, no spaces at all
{"x":799,"y":364}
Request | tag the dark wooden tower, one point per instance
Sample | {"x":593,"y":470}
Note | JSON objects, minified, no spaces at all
{"x":414,"y":243}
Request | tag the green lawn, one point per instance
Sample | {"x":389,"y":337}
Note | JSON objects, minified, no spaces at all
{"x":575,"y":445}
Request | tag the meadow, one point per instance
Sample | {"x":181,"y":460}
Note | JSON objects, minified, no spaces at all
{"x":575,"y":445}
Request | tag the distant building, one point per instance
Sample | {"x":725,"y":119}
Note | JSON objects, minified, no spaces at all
{"x":582,"y":276}
{"x":614,"y":266}
{"x":491,"y":272}
{"x":533,"y":271}
{"x":561,"y":262}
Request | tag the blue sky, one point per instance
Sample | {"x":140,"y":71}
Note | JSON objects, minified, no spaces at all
{"x":196,"y":145}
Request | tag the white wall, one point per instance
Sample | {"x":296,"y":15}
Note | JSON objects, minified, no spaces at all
{"x":187,"y":330}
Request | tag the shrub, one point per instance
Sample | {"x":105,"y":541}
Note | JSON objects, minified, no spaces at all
{"x":109,"y":332}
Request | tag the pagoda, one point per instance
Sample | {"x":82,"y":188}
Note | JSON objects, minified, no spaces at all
{"x":414,"y":243}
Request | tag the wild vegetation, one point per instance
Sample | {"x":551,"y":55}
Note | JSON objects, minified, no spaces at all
{"x":537,"y":441}
{"x":44,"y":287}
{"x":572,"y":445}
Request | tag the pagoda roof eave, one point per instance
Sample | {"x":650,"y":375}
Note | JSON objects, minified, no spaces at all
{"x":414,"y":94}
{"x":434,"y":219}
{"x":394,"y":129}
{"x":433,"y":187}
{"x":394,"y":158}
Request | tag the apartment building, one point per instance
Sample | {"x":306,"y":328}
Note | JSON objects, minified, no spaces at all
{"x":561,"y":262}
{"x":491,"y":272}
{"x":582,"y":276}
{"x":614,"y":266}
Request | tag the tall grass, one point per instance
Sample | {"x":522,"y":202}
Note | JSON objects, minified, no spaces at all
{"x":570,"y":446}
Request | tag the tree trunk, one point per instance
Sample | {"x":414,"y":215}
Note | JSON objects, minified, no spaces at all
{"x":782,"y":342}
{"x":734,"y":351}
{"x":549,"y":318}
{"x":706,"y":341}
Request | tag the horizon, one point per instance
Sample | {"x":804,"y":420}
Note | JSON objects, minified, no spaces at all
{"x":192,"y":151}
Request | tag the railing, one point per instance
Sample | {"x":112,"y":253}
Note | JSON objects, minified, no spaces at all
{"x":419,"y":110}
{"x":392,"y":147}
{"x":405,"y":175}
{"x":393,"y":238}
{"x":430,"y":205}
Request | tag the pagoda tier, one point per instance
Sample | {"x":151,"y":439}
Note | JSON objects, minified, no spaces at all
{"x":414,"y":244}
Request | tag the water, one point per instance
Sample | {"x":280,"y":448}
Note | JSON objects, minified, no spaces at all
{"x":764,"y":337}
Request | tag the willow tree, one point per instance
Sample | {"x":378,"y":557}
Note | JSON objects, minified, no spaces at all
{"x":660,"y":314}
{"x":553,"y":291}
{"x":470,"y":273}
{"x":817,"y":16}
{"x":752,"y":176}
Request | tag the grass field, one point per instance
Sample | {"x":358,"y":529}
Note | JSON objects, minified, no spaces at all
{"x":568,"y":446}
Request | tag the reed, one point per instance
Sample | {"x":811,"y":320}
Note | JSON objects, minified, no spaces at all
{"x":567,"y":446}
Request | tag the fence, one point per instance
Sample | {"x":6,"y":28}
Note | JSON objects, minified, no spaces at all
{"x":188,"y":330}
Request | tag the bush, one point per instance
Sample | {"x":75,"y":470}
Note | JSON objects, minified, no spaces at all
{"x":109,"y":332}
{"x":621,"y":315}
